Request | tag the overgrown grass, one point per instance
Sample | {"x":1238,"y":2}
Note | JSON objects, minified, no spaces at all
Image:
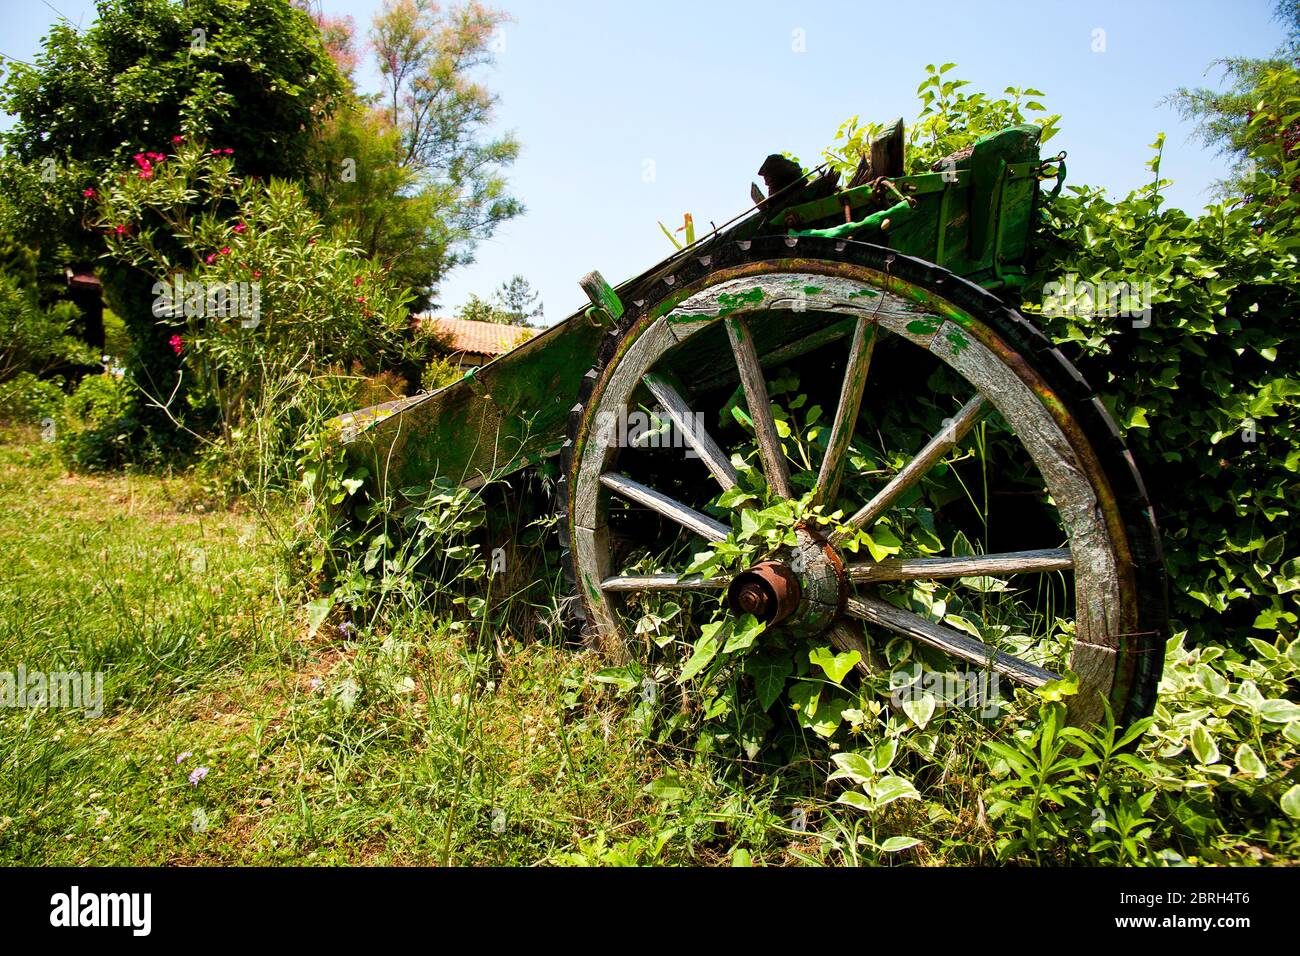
{"x":442,"y":739}
{"x":401,"y":747}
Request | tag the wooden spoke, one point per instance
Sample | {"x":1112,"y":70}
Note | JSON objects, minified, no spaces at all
{"x":950,"y":641}
{"x":760,"y":407}
{"x":912,"y":569}
{"x":684,"y":515}
{"x":714,"y":457}
{"x":846,"y":415}
{"x":661,"y":582}
{"x":925,"y":459}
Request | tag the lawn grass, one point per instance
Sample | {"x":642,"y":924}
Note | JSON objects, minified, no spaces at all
{"x":401,"y":747}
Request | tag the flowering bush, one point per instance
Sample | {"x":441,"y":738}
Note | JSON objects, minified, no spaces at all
{"x":252,"y":286}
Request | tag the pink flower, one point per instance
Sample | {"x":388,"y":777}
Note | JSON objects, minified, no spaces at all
{"x":176,"y":343}
{"x":257,"y":274}
{"x":197,"y":774}
{"x":120,"y":230}
{"x":225,"y":250}
{"x":229,"y":152}
{"x":178,"y":139}
{"x":185,"y":756}
{"x":357,"y":281}
{"x":157,"y":157}
{"x":210,"y":258}
{"x":89,"y":194}
{"x":240,"y":227}
{"x":361,"y":298}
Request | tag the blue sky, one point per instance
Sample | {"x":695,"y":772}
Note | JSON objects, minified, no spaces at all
{"x":601,"y":93}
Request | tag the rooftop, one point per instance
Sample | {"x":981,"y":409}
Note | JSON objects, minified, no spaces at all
{"x":480,"y":338}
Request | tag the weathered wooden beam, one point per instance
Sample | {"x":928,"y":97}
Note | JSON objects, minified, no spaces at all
{"x":947,"y":639}
{"x":662,"y":582}
{"x":977,"y":565}
{"x":714,"y":458}
{"x":846,"y":413}
{"x":760,"y":406}
{"x":684,"y":515}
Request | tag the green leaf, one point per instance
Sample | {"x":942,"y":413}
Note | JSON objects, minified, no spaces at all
{"x":1203,"y":745}
{"x":920,"y":709}
{"x":889,"y":789}
{"x":770,"y":675}
{"x":1248,"y":762}
{"x":621,"y":677}
{"x":668,"y":788}
{"x":1278,"y":711}
{"x":896,"y":843}
{"x":853,"y":766}
{"x":743,"y":634}
{"x":882,"y":755}
{"x":851,"y":798}
{"x":706,"y":648}
{"x":836,"y":666}
{"x":1291,"y":802}
{"x":317,"y":611}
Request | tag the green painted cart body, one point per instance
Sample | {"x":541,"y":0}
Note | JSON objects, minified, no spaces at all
{"x":972,"y":216}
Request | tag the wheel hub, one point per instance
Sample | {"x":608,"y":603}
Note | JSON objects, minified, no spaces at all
{"x":802,"y":586}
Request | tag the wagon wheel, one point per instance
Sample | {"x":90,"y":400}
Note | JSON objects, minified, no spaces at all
{"x":728,"y":319}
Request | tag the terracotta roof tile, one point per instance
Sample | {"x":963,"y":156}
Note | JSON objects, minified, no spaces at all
{"x":481,"y":338}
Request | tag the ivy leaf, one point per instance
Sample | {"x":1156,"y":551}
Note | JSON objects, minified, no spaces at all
{"x":836,"y":666}
{"x":920,"y":709}
{"x":706,"y":648}
{"x":743,"y":634}
{"x":770,"y":674}
{"x":1291,"y":802}
{"x":1203,"y":745}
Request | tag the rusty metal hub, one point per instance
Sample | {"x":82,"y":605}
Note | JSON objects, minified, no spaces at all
{"x":769,"y":590}
{"x":802,"y":586}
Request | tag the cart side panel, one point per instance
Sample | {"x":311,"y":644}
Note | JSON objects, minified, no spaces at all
{"x":503,"y":416}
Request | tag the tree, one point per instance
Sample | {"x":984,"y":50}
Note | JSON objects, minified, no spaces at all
{"x":1224,"y":118}
{"x":427,"y":57}
{"x":518,"y":302}
{"x":250,"y":77}
{"x":480,"y":310}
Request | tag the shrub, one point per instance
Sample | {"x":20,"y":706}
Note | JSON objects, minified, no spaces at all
{"x":28,"y":400}
{"x":91,"y":432}
{"x":35,"y":339}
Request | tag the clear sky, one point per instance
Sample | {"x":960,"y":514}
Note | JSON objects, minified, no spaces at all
{"x":700,"y":91}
